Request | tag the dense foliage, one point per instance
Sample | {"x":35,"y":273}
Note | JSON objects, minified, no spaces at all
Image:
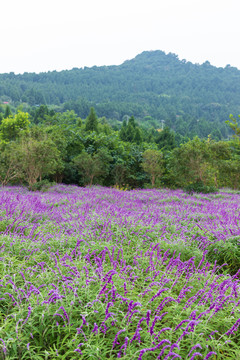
{"x":104,"y":274}
{"x":192,"y":99}
{"x":45,"y":145}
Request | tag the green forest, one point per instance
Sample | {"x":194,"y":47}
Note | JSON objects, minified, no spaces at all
{"x":154,"y":87}
{"x":152,"y":121}
{"x":44,"y":146}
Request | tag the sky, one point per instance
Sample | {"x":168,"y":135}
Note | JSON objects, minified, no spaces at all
{"x":45,"y":35}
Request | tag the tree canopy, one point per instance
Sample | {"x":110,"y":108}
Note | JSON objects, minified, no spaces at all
{"x":192,"y":99}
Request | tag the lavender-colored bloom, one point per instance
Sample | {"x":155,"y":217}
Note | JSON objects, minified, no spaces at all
{"x":195,"y":354}
{"x":4,"y":346}
{"x":95,"y":329}
{"x":162,"y":351}
{"x":197,"y":346}
{"x":172,"y":355}
{"x":116,"y":336}
{"x":137,"y":335}
{"x":182,"y":335}
{"x":209,"y":354}
{"x":28,"y":315}
{"x":143,"y":351}
{"x":155,"y":320}
{"x":124,"y":346}
{"x":233,"y":328}
{"x":179,"y":325}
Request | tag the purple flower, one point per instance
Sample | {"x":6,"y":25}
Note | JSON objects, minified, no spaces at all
{"x":170,"y":354}
{"x":116,"y":336}
{"x":195,"y":354}
{"x":233,"y":328}
{"x":194,"y":348}
{"x":143,"y":351}
{"x":209,"y":354}
{"x":4,"y":346}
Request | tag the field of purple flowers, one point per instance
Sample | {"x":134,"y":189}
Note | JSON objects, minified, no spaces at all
{"x":98,"y":273}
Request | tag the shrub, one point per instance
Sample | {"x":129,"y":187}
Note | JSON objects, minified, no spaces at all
{"x":42,"y":185}
{"x":199,"y":187}
{"x":226,"y":252}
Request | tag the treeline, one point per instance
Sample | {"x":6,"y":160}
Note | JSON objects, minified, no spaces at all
{"x":192,"y":99}
{"x":45,"y":146}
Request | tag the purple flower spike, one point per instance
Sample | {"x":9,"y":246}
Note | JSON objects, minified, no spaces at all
{"x":95,"y":329}
{"x":172,"y":355}
{"x":195,"y":354}
{"x":209,"y":354}
{"x":197,"y":346}
{"x":115,"y":340}
{"x":4,"y":346}
{"x":143,"y":351}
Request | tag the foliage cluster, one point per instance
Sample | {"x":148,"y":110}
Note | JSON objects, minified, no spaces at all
{"x":61,"y":147}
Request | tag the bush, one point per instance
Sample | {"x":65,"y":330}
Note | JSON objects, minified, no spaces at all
{"x":226,"y":252}
{"x":199,"y":187}
{"x":42,"y":185}
{"x":186,"y":252}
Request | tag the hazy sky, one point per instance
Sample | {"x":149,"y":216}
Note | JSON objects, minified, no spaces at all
{"x":43,"y":35}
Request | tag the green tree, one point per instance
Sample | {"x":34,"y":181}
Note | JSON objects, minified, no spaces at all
{"x":92,"y":121}
{"x":190,"y":163}
{"x":123,"y":131}
{"x":135,"y":176}
{"x":40,"y":113}
{"x":166,"y":139}
{"x":7,"y":112}
{"x":153,"y":164}
{"x":233,"y":123}
{"x":12,"y":127}
{"x":93,"y":166}
{"x":119,"y":173}
{"x":36,"y":159}
{"x":137,"y":136}
{"x":220,"y":154}
{"x":232,"y":166}
{"x":10,"y":168}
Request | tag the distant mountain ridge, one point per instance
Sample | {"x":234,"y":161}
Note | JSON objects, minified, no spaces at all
{"x":152,"y":85}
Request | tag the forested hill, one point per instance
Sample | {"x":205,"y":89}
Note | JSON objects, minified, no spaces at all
{"x":153,"y":86}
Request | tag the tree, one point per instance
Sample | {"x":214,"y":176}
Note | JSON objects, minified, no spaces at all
{"x":119,"y":173}
{"x":12,"y":127}
{"x":92,"y":166}
{"x":40,"y":114}
{"x":7,"y":112}
{"x":234,"y":126}
{"x":220,"y":154}
{"x":153,"y":164}
{"x":123,"y":131}
{"x":36,"y":158}
{"x":166,"y":139}
{"x":92,"y":121}
{"x":10,"y":169}
{"x":138,"y":136}
{"x":135,"y":176}
{"x":190,"y":163}
{"x":232,"y":167}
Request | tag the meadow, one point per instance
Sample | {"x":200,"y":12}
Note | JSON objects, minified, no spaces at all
{"x":99,"y":273}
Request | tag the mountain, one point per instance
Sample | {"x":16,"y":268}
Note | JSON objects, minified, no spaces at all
{"x":153,"y":86}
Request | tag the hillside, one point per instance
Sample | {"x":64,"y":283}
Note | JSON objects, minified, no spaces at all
{"x":153,"y":86}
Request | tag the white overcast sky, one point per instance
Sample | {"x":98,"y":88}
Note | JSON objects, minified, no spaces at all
{"x":45,"y":35}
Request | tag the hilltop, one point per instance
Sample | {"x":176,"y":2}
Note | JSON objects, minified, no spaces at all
{"x":153,"y":86}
